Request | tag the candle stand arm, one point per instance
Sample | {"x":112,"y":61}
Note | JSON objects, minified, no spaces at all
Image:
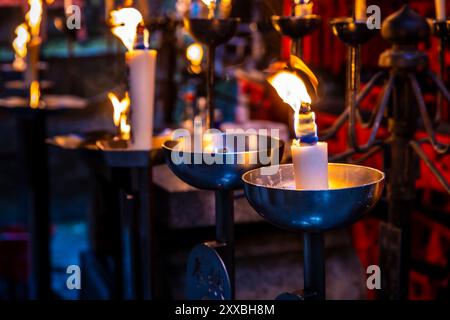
{"x":422,"y":155}
{"x":438,"y":147}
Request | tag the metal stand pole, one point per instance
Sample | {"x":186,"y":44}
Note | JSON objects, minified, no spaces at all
{"x":395,"y":236}
{"x":210,"y":86}
{"x":39,"y":213}
{"x":314,"y":265}
{"x":225,"y":232}
{"x":297,"y":48}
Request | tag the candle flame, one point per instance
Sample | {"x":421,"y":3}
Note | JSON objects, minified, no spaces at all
{"x":120,"y":114}
{"x":292,"y":90}
{"x":34,"y":16}
{"x":35,"y":94}
{"x":194,"y":53}
{"x":20,"y":47}
{"x":211,"y":4}
{"x":125,"y":22}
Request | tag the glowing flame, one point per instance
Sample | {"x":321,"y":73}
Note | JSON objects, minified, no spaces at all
{"x":194,"y":53}
{"x":120,"y":114}
{"x":211,"y":4}
{"x":292,"y":90}
{"x":35,"y":94}
{"x":20,"y":47}
{"x":34,"y":16}
{"x":125,"y":22}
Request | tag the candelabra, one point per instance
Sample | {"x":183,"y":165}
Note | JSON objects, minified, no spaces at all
{"x":402,"y":105}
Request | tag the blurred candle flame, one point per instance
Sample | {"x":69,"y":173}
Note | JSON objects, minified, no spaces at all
{"x":125,"y":22}
{"x":211,"y":4}
{"x":120,"y":114}
{"x":35,"y":94}
{"x":20,"y":47}
{"x":34,"y":17}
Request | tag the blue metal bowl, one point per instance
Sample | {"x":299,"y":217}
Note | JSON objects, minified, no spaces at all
{"x":353,"y":191}
{"x":231,"y":164}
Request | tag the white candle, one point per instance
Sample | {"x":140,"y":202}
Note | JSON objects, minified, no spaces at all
{"x":310,"y":166}
{"x":440,"y":10}
{"x":303,"y":8}
{"x":142,"y":67}
{"x":360,"y":10}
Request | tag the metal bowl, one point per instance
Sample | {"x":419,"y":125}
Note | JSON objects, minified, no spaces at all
{"x":352,"y":32}
{"x":353,"y":191}
{"x":194,"y":168}
{"x":211,"y":32}
{"x":296,"y":27}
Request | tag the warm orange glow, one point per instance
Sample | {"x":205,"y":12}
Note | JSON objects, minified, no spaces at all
{"x":120,"y":114}
{"x":125,"y":129}
{"x":34,"y":17}
{"x":194,"y":53}
{"x":292,"y":90}
{"x":35,"y":94}
{"x":20,"y":47}
{"x":211,"y":4}
{"x":124,"y":22}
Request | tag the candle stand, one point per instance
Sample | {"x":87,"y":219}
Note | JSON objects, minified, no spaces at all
{"x":403,"y":106}
{"x":296,"y":28}
{"x":211,"y":266}
{"x":127,"y":184}
{"x":33,"y":129}
{"x":212,"y":33}
{"x":353,"y":191}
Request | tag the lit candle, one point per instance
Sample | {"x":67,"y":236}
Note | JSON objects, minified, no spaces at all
{"x":440,"y":10}
{"x":303,"y":8}
{"x":211,"y":4}
{"x":360,"y":10}
{"x":141,"y":64}
{"x":309,"y":157}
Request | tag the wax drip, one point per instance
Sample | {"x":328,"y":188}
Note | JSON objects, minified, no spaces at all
{"x":306,"y":128}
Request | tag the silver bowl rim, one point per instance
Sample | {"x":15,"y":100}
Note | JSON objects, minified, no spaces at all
{"x":281,"y":143}
{"x":382,"y":177}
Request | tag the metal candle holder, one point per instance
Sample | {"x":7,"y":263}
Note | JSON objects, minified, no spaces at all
{"x":131,"y":216}
{"x":296,"y":28}
{"x":212,"y":33}
{"x":211,"y":266}
{"x":354,"y":190}
{"x":402,"y":103}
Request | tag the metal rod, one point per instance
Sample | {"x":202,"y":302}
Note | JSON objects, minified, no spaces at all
{"x":440,"y":84}
{"x":210,"y":86}
{"x":297,"y":47}
{"x":440,"y":98}
{"x":438,"y":147}
{"x":353,"y":75}
{"x":422,"y":155}
{"x":314,"y":265}
{"x":39,"y":214}
{"x":225,"y":231}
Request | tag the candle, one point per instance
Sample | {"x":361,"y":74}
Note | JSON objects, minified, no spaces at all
{"x":310,"y":165}
{"x":309,"y":157}
{"x":360,"y":10}
{"x":142,"y":67}
{"x":141,"y":64}
{"x":303,"y":8}
{"x":440,"y":10}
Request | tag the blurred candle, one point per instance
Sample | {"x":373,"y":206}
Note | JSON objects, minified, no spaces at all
{"x":360,"y":10}
{"x":303,"y":8}
{"x":440,"y":10}
{"x":141,"y":64}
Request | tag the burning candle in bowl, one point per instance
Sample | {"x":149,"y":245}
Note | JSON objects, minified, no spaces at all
{"x":310,"y":157}
{"x":128,"y":26}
